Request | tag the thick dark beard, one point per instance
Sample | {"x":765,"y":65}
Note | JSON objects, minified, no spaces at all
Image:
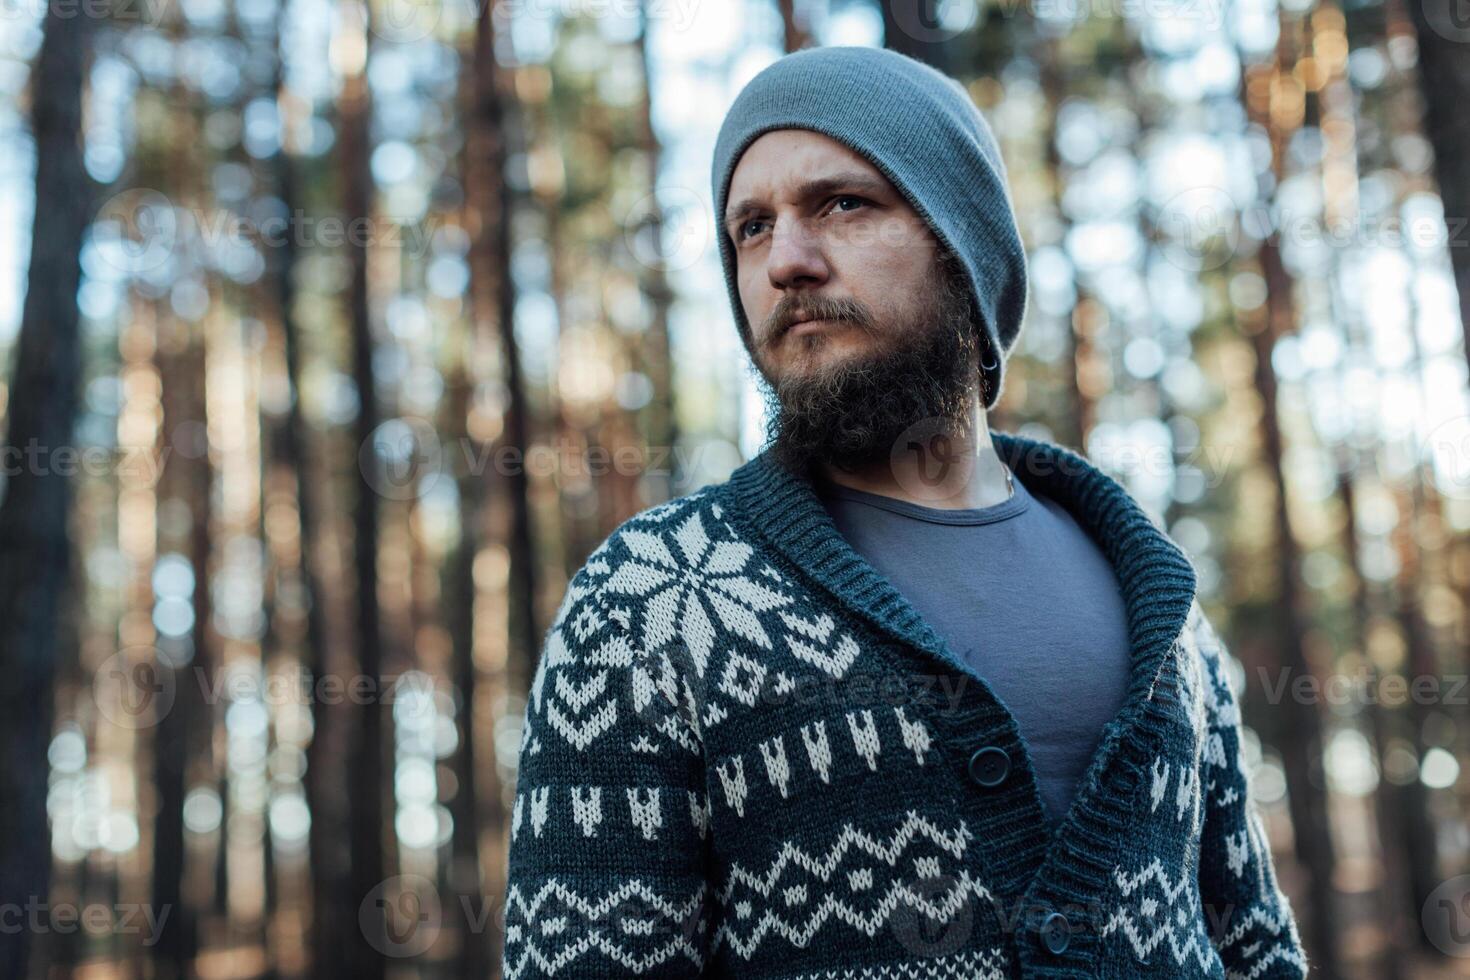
{"x":850,"y":417}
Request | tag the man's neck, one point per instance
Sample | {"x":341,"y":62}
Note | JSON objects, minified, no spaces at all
{"x":943,"y":471}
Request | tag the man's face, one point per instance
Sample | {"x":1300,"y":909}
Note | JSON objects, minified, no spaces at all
{"x":820,"y":233}
{"x":861,"y":323}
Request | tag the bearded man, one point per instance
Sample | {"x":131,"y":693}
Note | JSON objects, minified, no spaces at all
{"x":903,"y":697}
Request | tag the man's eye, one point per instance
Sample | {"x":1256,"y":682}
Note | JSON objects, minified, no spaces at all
{"x":745,"y":226}
{"x":836,"y":204}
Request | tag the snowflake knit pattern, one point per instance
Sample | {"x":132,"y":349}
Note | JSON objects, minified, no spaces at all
{"x":746,"y":755}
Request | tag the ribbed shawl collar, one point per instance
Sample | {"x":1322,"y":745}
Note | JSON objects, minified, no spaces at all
{"x":1024,"y":863}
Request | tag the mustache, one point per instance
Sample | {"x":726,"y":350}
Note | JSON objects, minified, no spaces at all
{"x":924,"y":366}
{"x":783,"y":317}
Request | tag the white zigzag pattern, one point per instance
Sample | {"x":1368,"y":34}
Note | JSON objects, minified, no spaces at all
{"x":1258,"y":915}
{"x":561,"y":899}
{"x":832,"y":907}
{"x":850,"y":841}
{"x":913,"y":827}
{"x":1162,"y":925}
{"x":978,"y":964}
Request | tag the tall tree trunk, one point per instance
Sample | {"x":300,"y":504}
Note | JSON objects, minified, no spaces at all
{"x":492,"y":201}
{"x":466,"y":881}
{"x":1082,"y":350}
{"x":185,"y":477}
{"x":1420,"y":505}
{"x":1417,"y":820}
{"x":1400,"y":831}
{"x":366,"y":800}
{"x":34,"y":552}
{"x":1393,"y":897}
{"x":494,"y":505}
{"x":1444,"y":78}
{"x":663,"y":428}
{"x":325,"y":792}
{"x":794,"y":35}
{"x":1301,"y":743}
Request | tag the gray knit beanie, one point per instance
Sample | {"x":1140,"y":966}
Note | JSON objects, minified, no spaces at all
{"x":920,"y":129}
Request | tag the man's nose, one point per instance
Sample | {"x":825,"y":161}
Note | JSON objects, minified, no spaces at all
{"x":795,"y":257}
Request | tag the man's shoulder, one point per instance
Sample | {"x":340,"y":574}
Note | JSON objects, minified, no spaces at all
{"x":702,"y":507}
{"x":652,"y":542}
{"x":710,"y":497}
{"x":646,"y":603}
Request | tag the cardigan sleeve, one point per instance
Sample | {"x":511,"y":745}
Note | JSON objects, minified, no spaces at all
{"x":1254,"y":930}
{"x":606,"y":863}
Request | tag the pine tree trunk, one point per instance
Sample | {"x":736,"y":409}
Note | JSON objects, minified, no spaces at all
{"x":365,"y":803}
{"x":1302,"y":745}
{"x":662,"y":427}
{"x":185,"y":477}
{"x":1081,"y":349}
{"x":1444,"y":76}
{"x":325,"y":793}
{"x":465,"y":879}
{"x":492,"y":200}
{"x":1393,"y":897}
{"x":34,"y":550}
{"x":794,"y":36}
{"x":1416,"y":821}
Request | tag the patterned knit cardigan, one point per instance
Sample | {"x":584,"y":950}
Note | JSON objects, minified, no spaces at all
{"x":747,"y":755}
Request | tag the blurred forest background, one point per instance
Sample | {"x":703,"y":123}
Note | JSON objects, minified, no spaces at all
{"x":339,"y":332}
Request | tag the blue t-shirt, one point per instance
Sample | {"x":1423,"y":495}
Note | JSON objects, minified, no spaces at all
{"x":1024,"y":597}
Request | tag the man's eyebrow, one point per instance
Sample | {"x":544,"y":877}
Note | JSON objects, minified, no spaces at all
{"x":817,"y":187}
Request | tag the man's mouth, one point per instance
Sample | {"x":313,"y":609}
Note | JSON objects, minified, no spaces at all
{"x":799,"y":327}
{"x":806,"y":321}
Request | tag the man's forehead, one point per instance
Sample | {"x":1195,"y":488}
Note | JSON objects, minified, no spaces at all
{"x":789,"y":155}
